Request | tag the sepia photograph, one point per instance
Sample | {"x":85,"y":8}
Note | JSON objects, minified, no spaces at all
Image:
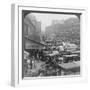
{"x":51,"y":43}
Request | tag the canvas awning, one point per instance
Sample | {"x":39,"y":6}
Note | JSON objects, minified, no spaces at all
{"x":53,"y":53}
{"x":76,"y":52}
{"x":72,"y":55}
{"x":32,"y":44}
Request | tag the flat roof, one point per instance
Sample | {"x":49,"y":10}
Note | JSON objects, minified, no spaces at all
{"x":70,"y":65}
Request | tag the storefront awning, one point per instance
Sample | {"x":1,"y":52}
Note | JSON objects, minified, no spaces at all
{"x":32,"y":44}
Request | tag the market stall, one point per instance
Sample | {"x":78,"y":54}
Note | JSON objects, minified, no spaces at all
{"x":70,"y":68}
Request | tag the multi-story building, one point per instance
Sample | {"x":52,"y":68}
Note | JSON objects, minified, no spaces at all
{"x":32,"y":30}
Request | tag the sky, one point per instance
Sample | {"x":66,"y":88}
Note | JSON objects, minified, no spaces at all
{"x":46,"y":19}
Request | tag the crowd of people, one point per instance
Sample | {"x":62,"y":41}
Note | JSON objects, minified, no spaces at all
{"x":44,"y":62}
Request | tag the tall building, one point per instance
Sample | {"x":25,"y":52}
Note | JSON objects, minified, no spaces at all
{"x":69,"y":30}
{"x":32,"y":28}
{"x":32,"y":32}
